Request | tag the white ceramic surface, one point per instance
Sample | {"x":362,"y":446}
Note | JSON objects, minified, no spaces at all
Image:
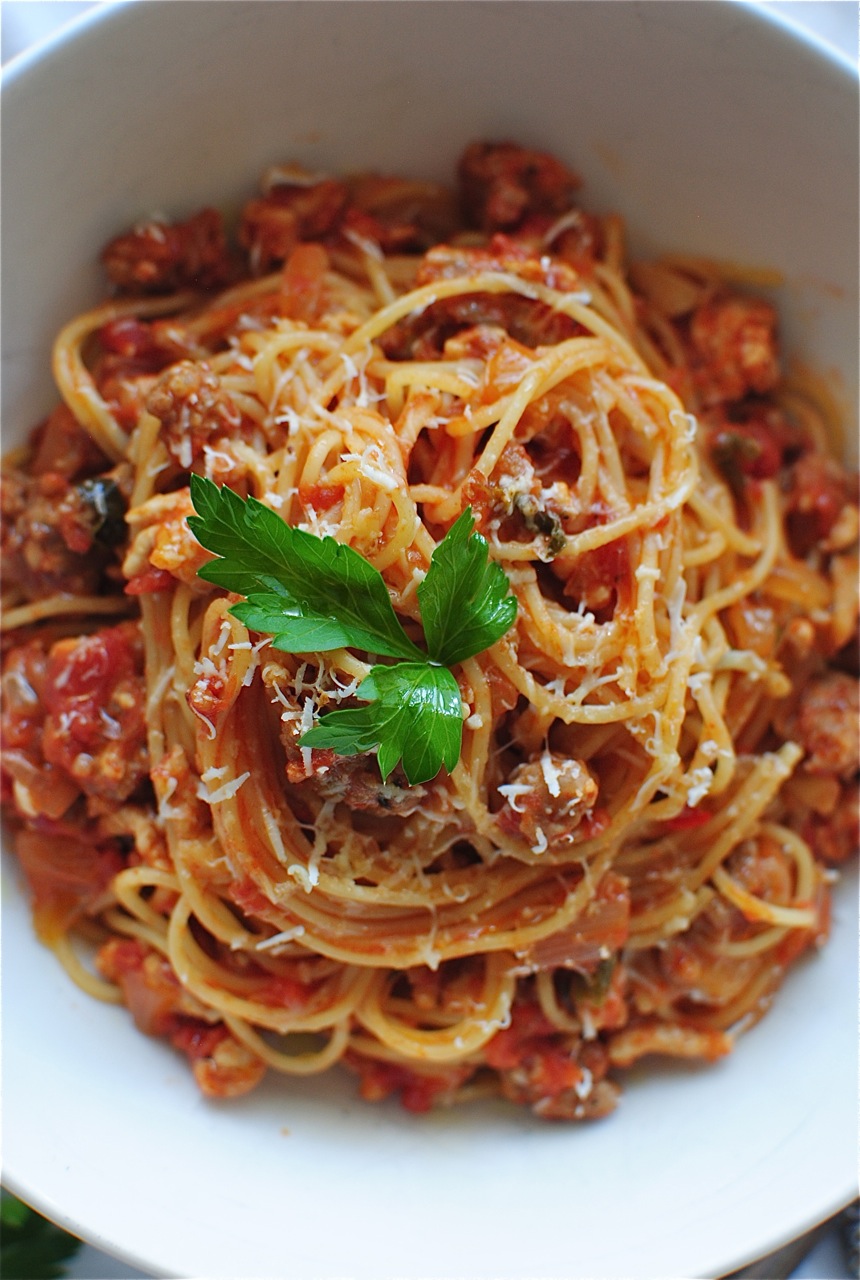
{"x":712,"y":130}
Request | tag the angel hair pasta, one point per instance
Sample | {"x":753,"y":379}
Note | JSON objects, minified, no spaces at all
{"x":649,"y":774}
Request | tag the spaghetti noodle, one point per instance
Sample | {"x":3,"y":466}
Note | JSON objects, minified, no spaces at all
{"x":658,"y":765}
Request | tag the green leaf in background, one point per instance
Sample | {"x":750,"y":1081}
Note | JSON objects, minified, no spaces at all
{"x":31,"y":1247}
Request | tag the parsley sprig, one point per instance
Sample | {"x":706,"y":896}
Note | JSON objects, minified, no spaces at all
{"x":313,"y":595}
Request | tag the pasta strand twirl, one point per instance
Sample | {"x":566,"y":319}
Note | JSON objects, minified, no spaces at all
{"x":659,"y":759}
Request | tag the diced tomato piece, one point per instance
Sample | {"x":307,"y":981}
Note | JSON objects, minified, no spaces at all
{"x":688,"y":819}
{"x":149,"y":581}
{"x":321,"y":497}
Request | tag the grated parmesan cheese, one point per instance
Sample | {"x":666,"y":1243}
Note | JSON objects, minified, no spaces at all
{"x":686,"y":421}
{"x":702,"y":780}
{"x":512,"y":792}
{"x":370,"y":247}
{"x":307,"y":877}
{"x":307,"y":723}
{"x":165,"y":793}
{"x":224,"y":631}
{"x":280,"y":939}
{"x":373,"y":465}
{"x":225,"y":792}
{"x":550,"y":777}
{"x":584,"y":1086}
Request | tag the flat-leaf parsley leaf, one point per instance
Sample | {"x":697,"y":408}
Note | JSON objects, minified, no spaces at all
{"x":325,"y":594}
{"x":465,"y":599}
{"x":314,"y":594}
{"x":413,"y":714}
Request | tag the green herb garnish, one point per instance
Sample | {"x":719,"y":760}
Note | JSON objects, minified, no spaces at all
{"x":539,"y":521}
{"x":315,"y":594}
{"x":734,"y":454}
{"x":32,"y":1248}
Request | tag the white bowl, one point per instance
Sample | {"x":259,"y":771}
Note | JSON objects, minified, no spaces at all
{"x":713,"y":130}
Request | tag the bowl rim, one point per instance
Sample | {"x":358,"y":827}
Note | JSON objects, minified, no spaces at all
{"x":79,"y":27}
{"x":105,"y":10}
{"x":798,"y":31}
